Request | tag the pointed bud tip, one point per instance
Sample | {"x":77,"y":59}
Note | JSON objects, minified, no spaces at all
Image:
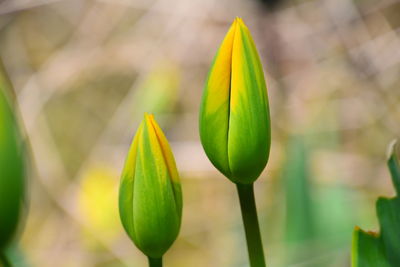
{"x":239,"y":21}
{"x":148,"y":116}
{"x":149,"y":120}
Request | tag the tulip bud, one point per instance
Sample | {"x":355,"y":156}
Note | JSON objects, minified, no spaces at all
{"x":11,"y":170}
{"x":150,"y":196}
{"x":234,"y":114}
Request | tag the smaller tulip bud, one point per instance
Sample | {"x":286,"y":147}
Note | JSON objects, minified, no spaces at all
{"x":234,"y":114}
{"x":150,"y":196}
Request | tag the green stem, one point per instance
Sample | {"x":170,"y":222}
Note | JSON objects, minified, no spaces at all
{"x":3,"y":260}
{"x":155,"y":262}
{"x":251,"y":227}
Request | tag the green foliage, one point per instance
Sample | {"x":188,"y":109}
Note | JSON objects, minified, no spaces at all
{"x":300,"y":225}
{"x":371,"y":249}
{"x":317,"y":221}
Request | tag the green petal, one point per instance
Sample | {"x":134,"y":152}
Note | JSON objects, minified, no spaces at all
{"x":169,"y":161}
{"x":12,"y":179}
{"x":214,"y":110}
{"x":126,"y":187}
{"x":249,"y":122}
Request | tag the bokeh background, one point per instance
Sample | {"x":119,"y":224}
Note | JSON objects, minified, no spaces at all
{"x":85,"y":71}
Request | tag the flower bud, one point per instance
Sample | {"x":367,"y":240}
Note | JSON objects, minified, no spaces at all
{"x":150,"y":196}
{"x":11,"y":169}
{"x":234,"y":114}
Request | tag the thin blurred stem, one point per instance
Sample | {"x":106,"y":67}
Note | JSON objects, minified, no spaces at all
{"x":251,"y":226}
{"x":3,"y":260}
{"x":155,"y":262}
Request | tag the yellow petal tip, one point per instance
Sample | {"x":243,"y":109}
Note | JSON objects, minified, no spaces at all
{"x":148,"y":116}
{"x":241,"y":22}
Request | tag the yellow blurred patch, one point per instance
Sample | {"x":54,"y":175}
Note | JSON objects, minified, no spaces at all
{"x":98,"y":203}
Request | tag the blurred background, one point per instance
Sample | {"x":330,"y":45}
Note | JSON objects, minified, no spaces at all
{"x":85,"y":71}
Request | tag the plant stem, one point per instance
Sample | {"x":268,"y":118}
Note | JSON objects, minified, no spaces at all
{"x":251,"y":227}
{"x":3,"y":260}
{"x":155,"y":262}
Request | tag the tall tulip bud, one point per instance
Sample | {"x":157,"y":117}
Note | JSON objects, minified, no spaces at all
{"x":234,"y":114}
{"x":150,"y":196}
{"x":12,"y":181}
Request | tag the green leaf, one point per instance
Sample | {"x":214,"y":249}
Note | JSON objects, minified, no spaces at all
{"x":370,"y":250}
{"x":389,"y":219}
